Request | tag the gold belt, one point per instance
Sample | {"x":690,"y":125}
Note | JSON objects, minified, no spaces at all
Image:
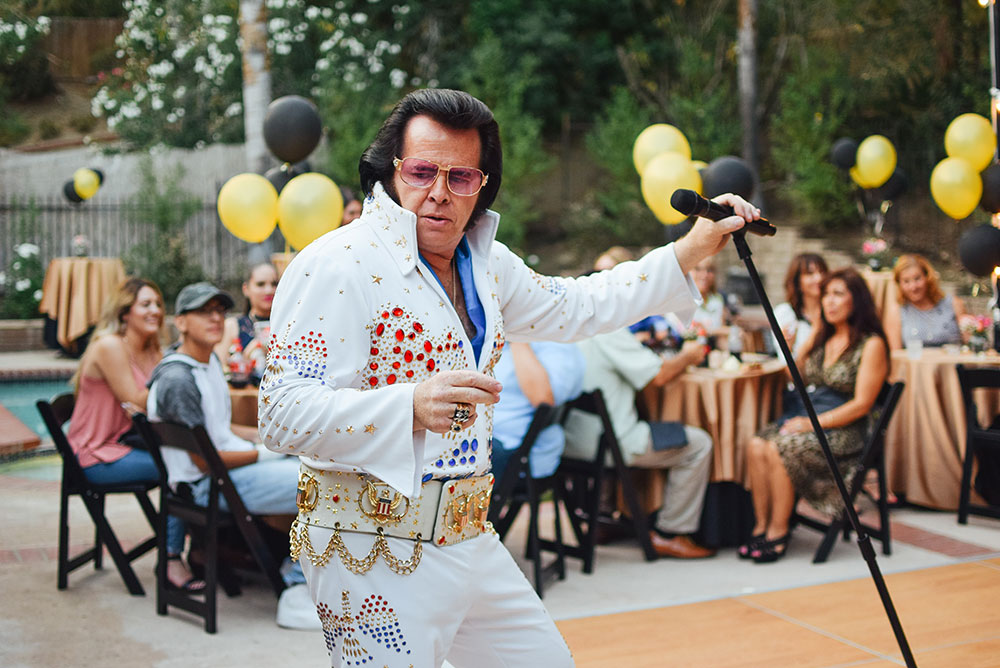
{"x":445,"y":513}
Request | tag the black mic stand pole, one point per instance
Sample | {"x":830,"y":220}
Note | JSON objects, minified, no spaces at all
{"x":864,"y":541}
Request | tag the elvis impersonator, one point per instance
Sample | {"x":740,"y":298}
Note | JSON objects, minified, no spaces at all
{"x":380,"y":378}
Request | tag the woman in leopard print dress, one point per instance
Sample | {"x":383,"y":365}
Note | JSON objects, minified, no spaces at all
{"x":848,"y":361}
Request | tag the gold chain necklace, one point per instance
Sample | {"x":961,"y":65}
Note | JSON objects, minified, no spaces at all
{"x":454,"y":284}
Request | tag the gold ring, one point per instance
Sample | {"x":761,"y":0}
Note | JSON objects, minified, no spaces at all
{"x":462,"y":413}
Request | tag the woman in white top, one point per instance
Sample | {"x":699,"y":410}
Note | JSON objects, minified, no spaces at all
{"x":712,"y":314}
{"x":801,"y":310}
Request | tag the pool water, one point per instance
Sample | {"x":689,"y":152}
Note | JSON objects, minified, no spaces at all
{"x":19,"y":397}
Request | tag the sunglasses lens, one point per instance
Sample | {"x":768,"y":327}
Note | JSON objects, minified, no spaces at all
{"x":417,"y":172}
{"x":464,"y":180}
{"x":422,"y":173}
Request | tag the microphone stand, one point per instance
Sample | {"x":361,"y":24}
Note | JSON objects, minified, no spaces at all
{"x":864,"y":541}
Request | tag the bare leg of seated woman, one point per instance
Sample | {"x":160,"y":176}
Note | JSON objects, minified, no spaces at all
{"x":773,"y":499}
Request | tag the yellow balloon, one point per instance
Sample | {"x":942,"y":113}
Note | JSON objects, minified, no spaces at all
{"x":956,"y":187}
{"x":310,"y":205}
{"x":857,"y":178}
{"x":657,"y":139}
{"x":248,"y":207}
{"x":86,"y":182}
{"x":876,"y":160}
{"x":663,"y":175}
{"x":970,"y":136}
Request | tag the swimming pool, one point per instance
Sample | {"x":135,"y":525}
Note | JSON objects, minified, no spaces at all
{"x":19,"y":397}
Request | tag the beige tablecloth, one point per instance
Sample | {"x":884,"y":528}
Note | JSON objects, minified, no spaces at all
{"x":883,"y":288}
{"x":280,"y":261}
{"x":925,"y":443}
{"x":244,"y":401}
{"x":731,"y":407}
{"x":75,"y":292}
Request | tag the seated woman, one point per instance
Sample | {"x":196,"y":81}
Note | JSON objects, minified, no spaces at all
{"x":259,"y":289}
{"x":924,"y":312}
{"x":352,"y":206}
{"x":110,"y":385}
{"x":801,"y":312}
{"x":713,"y":313}
{"x":847,"y":361}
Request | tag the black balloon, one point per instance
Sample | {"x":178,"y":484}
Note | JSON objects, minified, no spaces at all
{"x":894,"y":187}
{"x":727,"y":174}
{"x":844,"y":152}
{"x":991,"y":189}
{"x":70,"y":192}
{"x":292,"y":128}
{"x":979,"y":249}
{"x":280,"y":176}
{"x":100,"y":175}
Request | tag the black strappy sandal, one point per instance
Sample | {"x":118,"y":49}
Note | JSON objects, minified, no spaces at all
{"x":193,"y":585}
{"x":746,"y":550}
{"x":768,"y":551}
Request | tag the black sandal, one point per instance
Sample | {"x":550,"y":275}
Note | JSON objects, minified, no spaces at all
{"x":768,"y":550}
{"x":746,"y":550}
{"x":193,"y":585}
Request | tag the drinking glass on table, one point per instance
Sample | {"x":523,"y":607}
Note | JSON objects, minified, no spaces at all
{"x":914,"y":344}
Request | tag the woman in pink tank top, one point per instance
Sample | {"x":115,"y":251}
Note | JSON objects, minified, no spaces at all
{"x":111,"y":385}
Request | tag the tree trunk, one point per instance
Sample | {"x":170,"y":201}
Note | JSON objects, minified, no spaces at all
{"x":747,"y":41}
{"x":256,"y":97}
{"x":256,"y":82}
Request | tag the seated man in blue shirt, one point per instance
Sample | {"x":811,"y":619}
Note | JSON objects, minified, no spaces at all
{"x":533,"y":374}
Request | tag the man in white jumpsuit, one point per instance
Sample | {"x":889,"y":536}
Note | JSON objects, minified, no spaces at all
{"x":379,"y":376}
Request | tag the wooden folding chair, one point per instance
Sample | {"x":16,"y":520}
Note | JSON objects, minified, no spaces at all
{"x":872,"y":459}
{"x":75,"y":483}
{"x":580,"y":482}
{"x":979,"y":440}
{"x":516,"y":486}
{"x":206,"y":521}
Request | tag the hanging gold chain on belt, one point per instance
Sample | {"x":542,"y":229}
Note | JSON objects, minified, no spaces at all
{"x":298,"y":539}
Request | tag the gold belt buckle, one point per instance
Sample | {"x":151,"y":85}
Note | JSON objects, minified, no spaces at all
{"x":383,"y":501}
{"x":307,"y":494}
{"x":470,"y":506}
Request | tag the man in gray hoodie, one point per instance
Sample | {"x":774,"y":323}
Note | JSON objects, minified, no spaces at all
{"x":189,"y":387}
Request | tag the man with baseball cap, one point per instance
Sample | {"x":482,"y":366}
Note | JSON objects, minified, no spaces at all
{"x":189,"y":387}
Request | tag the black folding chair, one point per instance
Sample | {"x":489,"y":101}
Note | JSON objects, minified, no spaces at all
{"x":75,"y":483}
{"x":579,"y":484}
{"x":516,"y":486}
{"x":981,"y":443}
{"x":205,"y":521}
{"x":872,"y":459}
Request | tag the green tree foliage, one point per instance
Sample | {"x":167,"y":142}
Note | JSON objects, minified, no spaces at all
{"x":812,"y":114}
{"x":614,"y":213}
{"x":165,"y":207}
{"x":500,"y":78}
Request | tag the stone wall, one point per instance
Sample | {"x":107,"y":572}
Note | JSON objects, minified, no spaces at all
{"x":18,"y":335}
{"x":43,"y":174}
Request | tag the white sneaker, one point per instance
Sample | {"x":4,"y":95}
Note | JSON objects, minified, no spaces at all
{"x":296,"y":610}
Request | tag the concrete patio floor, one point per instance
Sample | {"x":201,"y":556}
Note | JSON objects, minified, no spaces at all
{"x":96,"y":622}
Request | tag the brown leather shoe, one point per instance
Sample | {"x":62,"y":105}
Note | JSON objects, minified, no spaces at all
{"x":678,"y":547}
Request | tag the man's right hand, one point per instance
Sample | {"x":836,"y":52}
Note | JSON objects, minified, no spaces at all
{"x":708,"y":237}
{"x":435,"y":399}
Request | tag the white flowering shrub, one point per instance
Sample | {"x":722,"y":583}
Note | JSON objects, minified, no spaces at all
{"x":181,"y":77}
{"x":24,"y":69}
{"x":22,"y":283}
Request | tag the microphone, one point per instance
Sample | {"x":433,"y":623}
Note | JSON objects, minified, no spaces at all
{"x":691,"y":203}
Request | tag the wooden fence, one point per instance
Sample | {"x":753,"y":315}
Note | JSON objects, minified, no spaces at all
{"x":113,"y":228}
{"x":72,"y":44}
